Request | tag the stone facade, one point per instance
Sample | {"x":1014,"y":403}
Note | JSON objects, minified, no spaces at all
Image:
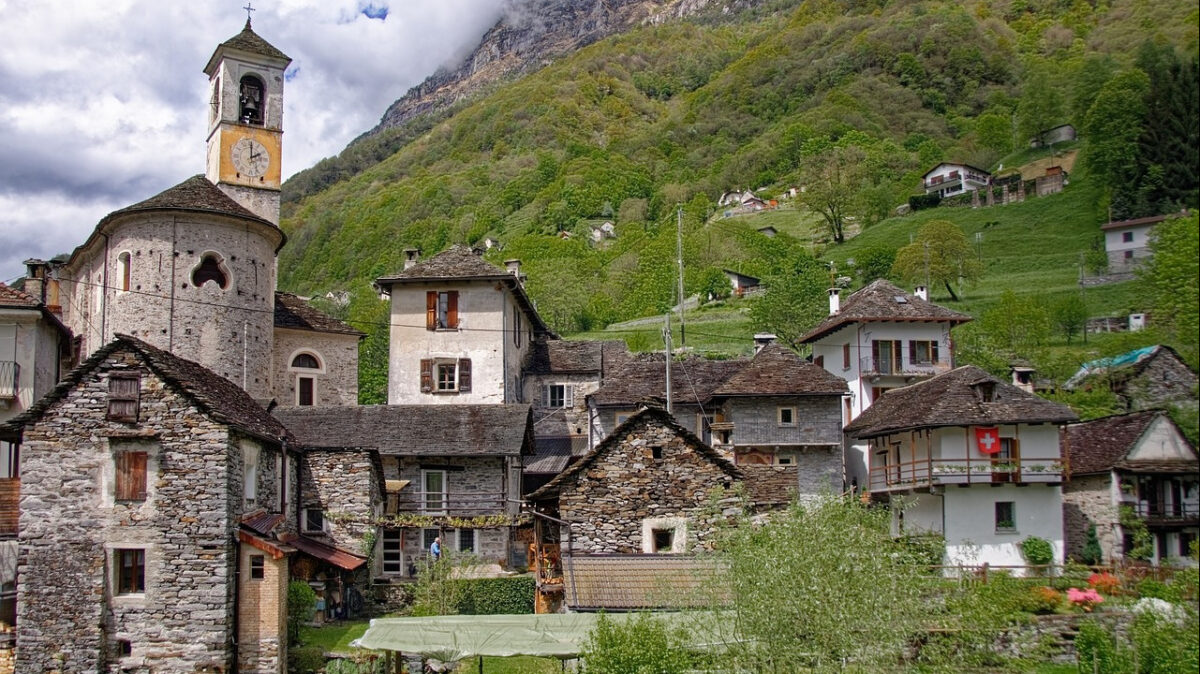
{"x":651,"y":475}
{"x":335,"y":382}
{"x":344,"y":485}
{"x":1163,"y":379}
{"x":76,"y":612}
{"x":1089,"y":500}
{"x":570,"y":419}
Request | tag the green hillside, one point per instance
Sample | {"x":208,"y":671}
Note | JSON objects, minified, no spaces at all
{"x":649,"y":128}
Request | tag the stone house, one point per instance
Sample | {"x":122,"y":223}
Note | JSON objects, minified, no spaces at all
{"x":881,"y":338}
{"x":138,"y":469}
{"x":315,"y":359}
{"x":1140,"y":461}
{"x":1146,"y":378}
{"x":971,"y":458}
{"x":397,"y":476}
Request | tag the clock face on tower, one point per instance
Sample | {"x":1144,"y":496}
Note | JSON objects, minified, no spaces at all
{"x":250,"y":157}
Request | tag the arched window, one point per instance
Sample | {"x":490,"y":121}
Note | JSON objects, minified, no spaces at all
{"x":251,"y":100}
{"x":210,"y":269}
{"x":123,"y":271}
{"x":307,"y":366}
{"x":306,"y":360}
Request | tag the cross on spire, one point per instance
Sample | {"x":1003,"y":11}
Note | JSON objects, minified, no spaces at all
{"x":249,"y":8}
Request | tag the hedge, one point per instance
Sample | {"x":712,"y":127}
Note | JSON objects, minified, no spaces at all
{"x":495,"y":596}
{"x":922,"y":201}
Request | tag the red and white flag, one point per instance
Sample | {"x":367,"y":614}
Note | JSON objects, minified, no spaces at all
{"x":987,"y":439}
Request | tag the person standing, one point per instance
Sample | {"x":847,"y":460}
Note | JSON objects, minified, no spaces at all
{"x":435,"y":550}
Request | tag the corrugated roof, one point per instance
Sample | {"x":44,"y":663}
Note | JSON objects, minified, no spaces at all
{"x":778,"y":371}
{"x":262,"y":522}
{"x":1099,"y":445}
{"x":877,"y":302}
{"x":212,"y":394}
{"x":414,"y":430}
{"x":292,"y":311}
{"x":636,"y":582}
{"x":955,"y":399}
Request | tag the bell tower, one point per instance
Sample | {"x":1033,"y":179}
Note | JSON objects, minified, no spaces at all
{"x":245,"y":121}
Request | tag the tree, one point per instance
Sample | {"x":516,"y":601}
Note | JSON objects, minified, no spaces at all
{"x":1112,"y":128}
{"x":794,"y":300}
{"x":875,"y":262}
{"x":1041,"y":106}
{"x":643,"y":643}
{"x":994,"y":131}
{"x":939,"y":254}
{"x":1070,"y":315}
{"x":831,"y":185}
{"x":1170,"y":281}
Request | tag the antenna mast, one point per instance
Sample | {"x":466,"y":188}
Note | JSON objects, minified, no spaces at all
{"x":667,"y":360}
{"x":679,"y":261}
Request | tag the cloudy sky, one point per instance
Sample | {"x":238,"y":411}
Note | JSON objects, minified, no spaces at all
{"x":103,"y":102}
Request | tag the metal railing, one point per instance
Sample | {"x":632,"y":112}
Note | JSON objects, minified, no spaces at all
{"x":904,"y":366}
{"x":928,"y":472}
{"x":10,"y":379}
{"x":450,"y":503}
{"x":1159,"y":510}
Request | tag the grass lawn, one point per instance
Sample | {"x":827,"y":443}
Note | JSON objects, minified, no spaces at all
{"x":336,"y":638}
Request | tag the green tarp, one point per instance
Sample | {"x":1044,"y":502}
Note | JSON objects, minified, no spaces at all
{"x":457,"y":637}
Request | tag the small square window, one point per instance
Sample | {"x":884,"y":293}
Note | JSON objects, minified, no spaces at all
{"x":558,"y":396}
{"x":123,"y":391}
{"x":466,"y":540}
{"x":447,"y":379}
{"x":656,"y":451}
{"x":131,"y":570}
{"x":787,"y":416}
{"x":664,"y":539}
{"x":258,"y":567}
{"x":1006,"y":517}
{"x":314,"y":520}
{"x":1129,"y":255}
{"x":1127,"y":237}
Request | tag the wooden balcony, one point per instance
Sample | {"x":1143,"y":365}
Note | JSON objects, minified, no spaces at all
{"x":924,"y":473}
{"x":870,"y":366}
{"x":10,"y":506}
{"x":450,"y":504}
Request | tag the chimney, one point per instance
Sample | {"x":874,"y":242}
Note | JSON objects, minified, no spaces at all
{"x":922,"y":292}
{"x":410,"y":257}
{"x":762,"y":339}
{"x":835,"y":301}
{"x":513,"y":267}
{"x":35,"y":279}
{"x":1022,"y":377}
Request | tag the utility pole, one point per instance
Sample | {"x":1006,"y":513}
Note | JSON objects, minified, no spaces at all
{"x":667,"y":360}
{"x":679,"y":262}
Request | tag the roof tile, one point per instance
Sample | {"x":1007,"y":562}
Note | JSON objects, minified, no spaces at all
{"x":291,"y":311}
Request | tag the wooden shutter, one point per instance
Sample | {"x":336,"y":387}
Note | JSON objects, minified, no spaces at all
{"x":464,"y":375}
{"x":569,"y":396}
{"x":846,"y":356}
{"x":426,"y":375}
{"x":933,"y":352}
{"x":897,"y":356}
{"x":131,"y":476}
{"x":452,"y":309}
{"x":874,"y":355}
{"x":431,"y":301}
{"x":123,"y":394}
{"x":912,"y":351}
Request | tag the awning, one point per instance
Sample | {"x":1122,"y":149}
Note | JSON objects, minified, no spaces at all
{"x":554,"y":635}
{"x":395,"y":485}
{"x":327,"y":553}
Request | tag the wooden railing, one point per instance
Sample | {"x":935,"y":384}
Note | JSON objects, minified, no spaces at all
{"x":450,"y":503}
{"x":927,"y":472}
{"x":10,"y":506}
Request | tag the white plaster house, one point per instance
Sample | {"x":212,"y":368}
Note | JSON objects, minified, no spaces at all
{"x":1141,"y":461}
{"x":969,"y":457}
{"x":879,"y":339}
{"x":1127,"y":242}
{"x":461,"y":330}
{"x":949,"y":179}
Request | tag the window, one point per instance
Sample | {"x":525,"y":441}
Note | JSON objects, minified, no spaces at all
{"x":885,"y":354}
{"x":123,"y":391}
{"x":123,"y":271}
{"x":1006,"y":517}
{"x":249,"y":474}
{"x":131,"y":476}
{"x":306,"y":361}
{"x":10,"y":459}
{"x":664,"y":535}
{"x":621,"y":417}
{"x":307,"y":365}
{"x":664,"y":540}
{"x":787,"y":416}
{"x":466,"y":540}
{"x":393,"y":551}
{"x":251,"y":101}
{"x":1127,"y":237}
{"x":656,"y":451}
{"x":517,"y":329}
{"x":131,"y":570}
{"x":846,"y":356}
{"x":559,"y":395}
{"x":211,"y":268}
{"x":314,"y":520}
{"x":428,"y":536}
{"x":258,"y":567}
{"x":441,"y":310}
{"x":434,"y":483}
{"x":305,"y":387}
{"x":445,"y":375}
{"x":1129,"y":255}
{"x":922,"y":352}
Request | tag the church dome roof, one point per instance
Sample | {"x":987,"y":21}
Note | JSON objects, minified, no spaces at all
{"x":194,"y":194}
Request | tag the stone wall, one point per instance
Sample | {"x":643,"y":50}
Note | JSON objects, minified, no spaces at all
{"x":560,"y":421}
{"x":1088,"y":500}
{"x":818,"y":420}
{"x":345,"y":486}
{"x":1163,"y":380}
{"x":610,"y":502}
{"x":336,"y":382}
{"x":72,"y":617}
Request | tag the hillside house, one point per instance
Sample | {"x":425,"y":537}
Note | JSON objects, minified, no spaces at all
{"x":742,"y":283}
{"x":1140,"y":461}
{"x":1146,"y":378}
{"x":461,"y":330}
{"x":879,"y":339}
{"x":1127,"y":242}
{"x":949,"y":179}
{"x":971,"y":458}
{"x":1062,"y":133}
{"x":137,"y":470}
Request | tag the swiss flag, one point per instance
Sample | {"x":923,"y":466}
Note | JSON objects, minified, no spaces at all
{"x":987,"y":439}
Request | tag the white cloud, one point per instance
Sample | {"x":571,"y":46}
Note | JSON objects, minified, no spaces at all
{"x":102,"y":104}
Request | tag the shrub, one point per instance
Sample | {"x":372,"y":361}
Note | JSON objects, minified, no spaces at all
{"x":496,"y":596}
{"x":1092,"y":553}
{"x":640,"y":644}
{"x":1105,"y":583}
{"x":305,"y":659}
{"x":301,"y":599}
{"x":1096,"y":650}
{"x":1045,"y":600}
{"x":1037,"y":551}
{"x":921,"y":201}
{"x":1156,"y":589}
{"x":1084,"y":599}
{"x":1163,"y":646}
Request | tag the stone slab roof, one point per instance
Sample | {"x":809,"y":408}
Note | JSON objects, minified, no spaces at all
{"x":295,"y":313}
{"x":562,"y":356}
{"x":644,"y":417}
{"x":193,"y":194}
{"x":638,"y":582}
{"x":956,"y":398}
{"x":414,"y":430}
{"x":11,"y":298}
{"x":778,"y":371}
{"x":454,"y":263}
{"x":554,"y":453}
{"x":882,"y":301}
{"x":1099,"y":445}
{"x":212,"y":394}
{"x":644,"y":377}
{"x":247,"y":41}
